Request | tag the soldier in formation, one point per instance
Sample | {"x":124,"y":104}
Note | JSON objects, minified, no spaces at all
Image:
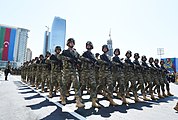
{"x":87,"y":75}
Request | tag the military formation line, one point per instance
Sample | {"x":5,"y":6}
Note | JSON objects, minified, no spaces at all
{"x":96,"y":74}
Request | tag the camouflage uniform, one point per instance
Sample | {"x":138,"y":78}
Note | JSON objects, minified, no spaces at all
{"x":46,"y":68}
{"x":129,"y":76}
{"x":147,"y":77}
{"x":164,"y":72}
{"x":39,"y":71}
{"x":23,"y":77}
{"x":70,"y":73}
{"x":138,"y":75}
{"x":30,"y":73}
{"x":118,"y":76}
{"x":87,"y":76}
{"x":105,"y":75}
{"x":159,"y":76}
{"x":33,"y":72}
{"x":56,"y":67}
{"x":154,"y":73}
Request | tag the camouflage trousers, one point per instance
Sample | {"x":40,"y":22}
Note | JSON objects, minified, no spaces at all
{"x":129,"y":77}
{"x":139,"y":78}
{"x":161,"y":81}
{"x":23,"y":76}
{"x":55,"y":81}
{"x":118,"y":79}
{"x":97,"y":75}
{"x":71,"y":76}
{"x":148,"y":81}
{"x":45,"y":77}
{"x":105,"y":82}
{"x":38,"y":78}
{"x":156,"y":82}
{"x":88,"y":80}
{"x":166,"y":82}
{"x":33,"y":78}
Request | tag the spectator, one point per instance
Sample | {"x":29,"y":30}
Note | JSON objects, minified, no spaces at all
{"x":7,"y":70}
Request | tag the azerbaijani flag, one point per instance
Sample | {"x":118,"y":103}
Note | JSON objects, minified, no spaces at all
{"x":6,"y":44}
{"x":7,"y":41}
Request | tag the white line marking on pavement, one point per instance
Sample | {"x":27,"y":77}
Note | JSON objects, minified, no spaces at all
{"x":56,"y":103}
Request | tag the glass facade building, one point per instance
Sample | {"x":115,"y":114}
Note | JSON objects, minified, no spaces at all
{"x":46,"y":44}
{"x":58,"y":34}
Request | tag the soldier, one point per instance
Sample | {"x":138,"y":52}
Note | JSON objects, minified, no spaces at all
{"x":56,"y":73}
{"x":97,"y":56}
{"x":30,"y":73}
{"x":164,"y":72}
{"x":23,"y":77}
{"x":118,"y":75}
{"x":87,"y":76}
{"x":138,"y":75}
{"x":129,"y":76}
{"x":147,"y":76}
{"x":105,"y":76}
{"x":154,"y":73}
{"x":7,"y":70}
{"x":159,"y":76}
{"x":46,"y":68}
{"x":39,"y":63}
{"x":70,"y":73}
{"x":33,"y":71}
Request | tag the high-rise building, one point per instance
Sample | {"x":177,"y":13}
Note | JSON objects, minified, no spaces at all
{"x":58,"y":33}
{"x":46,"y":45}
{"x":28,"y":54}
{"x":13,"y":43}
{"x":109,"y":44}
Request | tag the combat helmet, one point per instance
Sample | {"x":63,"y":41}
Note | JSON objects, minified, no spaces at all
{"x":117,"y":49}
{"x":151,"y":59}
{"x":57,"y":48}
{"x":144,"y":58}
{"x":105,"y":46}
{"x":128,"y":52}
{"x":136,"y":55}
{"x":90,"y":44}
{"x":70,"y":40}
{"x":156,"y":61}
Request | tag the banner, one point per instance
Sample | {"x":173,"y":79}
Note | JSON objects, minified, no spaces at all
{"x":170,"y":64}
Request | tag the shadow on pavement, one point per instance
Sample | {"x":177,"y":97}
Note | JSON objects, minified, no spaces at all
{"x":105,"y":112}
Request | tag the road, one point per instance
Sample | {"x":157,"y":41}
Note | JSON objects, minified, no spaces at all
{"x":18,"y":101}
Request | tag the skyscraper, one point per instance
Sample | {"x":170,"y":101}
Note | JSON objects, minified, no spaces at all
{"x":46,"y":45}
{"x":13,"y":42}
{"x":109,"y":44}
{"x":58,"y":33}
{"x":20,"y":46}
{"x":28,"y":54}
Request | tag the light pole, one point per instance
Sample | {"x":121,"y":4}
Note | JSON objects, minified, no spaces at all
{"x":160,"y":51}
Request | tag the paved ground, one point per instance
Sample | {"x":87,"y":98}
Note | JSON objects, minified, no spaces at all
{"x":21,"y":102}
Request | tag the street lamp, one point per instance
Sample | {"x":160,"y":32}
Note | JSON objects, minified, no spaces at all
{"x":160,"y":51}
{"x":47,"y":29}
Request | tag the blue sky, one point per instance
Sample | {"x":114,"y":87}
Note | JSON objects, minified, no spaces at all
{"x":138,"y":25}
